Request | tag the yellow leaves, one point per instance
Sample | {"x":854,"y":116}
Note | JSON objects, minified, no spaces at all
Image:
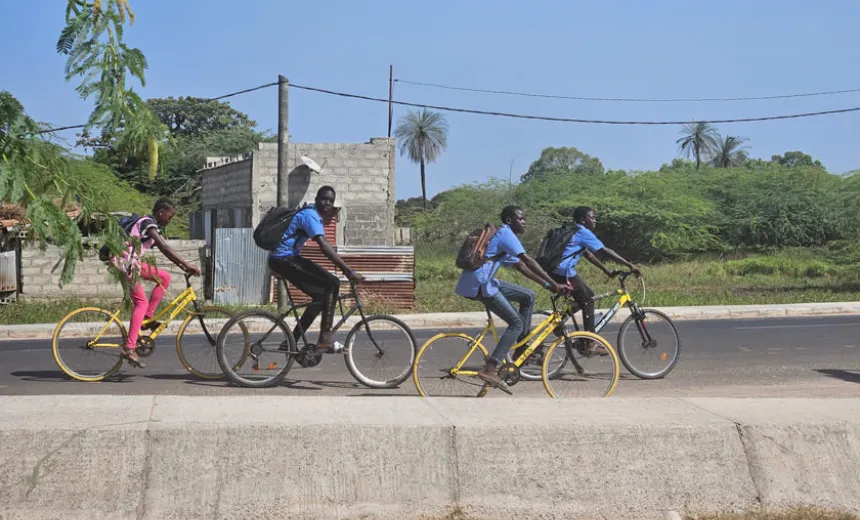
{"x":122,"y":7}
{"x":153,"y":158}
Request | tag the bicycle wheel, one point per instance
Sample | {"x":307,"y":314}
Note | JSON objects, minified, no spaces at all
{"x":655,"y":347}
{"x":89,"y":337}
{"x":532,"y":368}
{"x":436,"y":366}
{"x":388,"y":362}
{"x":255,"y":349}
{"x":197,"y":352}
{"x":583,"y":349}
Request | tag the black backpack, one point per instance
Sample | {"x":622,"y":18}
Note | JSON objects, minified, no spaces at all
{"x":270,"y":231}
{"x":549,"y":254}
{"x":125,"y":223}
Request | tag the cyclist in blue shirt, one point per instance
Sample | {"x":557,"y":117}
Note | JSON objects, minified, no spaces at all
{"x":505,"y":249}
{"x":585,"y":241}
{"x":286,"y":261}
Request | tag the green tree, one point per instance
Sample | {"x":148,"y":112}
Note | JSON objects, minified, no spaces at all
{"x":699,"y":140}
{"x":423,"y":137}
{"x":796,"y":158}
{"x":730,"y":152}
{"x":566,"y":159}
{"x":194,"y":117}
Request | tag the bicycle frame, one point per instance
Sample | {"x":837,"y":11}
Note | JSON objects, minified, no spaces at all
{"x":536,"y":337}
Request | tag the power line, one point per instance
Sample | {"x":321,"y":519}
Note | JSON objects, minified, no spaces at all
{"x":634,"y":100}
{"x":575,"y":120}
{"x":189,"y":102}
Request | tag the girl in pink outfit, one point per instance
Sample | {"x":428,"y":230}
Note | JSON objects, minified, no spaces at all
{"x":148,"y":230}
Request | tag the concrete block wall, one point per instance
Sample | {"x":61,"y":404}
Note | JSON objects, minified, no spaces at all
{"x":41,"y":274}
{"x":362,"y":174}
{"x":227,"y":187}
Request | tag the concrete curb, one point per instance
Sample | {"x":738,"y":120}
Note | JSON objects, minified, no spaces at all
{"x":403,"y":457}
{"x":479,"y":319}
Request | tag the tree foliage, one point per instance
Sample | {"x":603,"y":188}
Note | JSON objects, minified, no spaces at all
{"x":698,"y":140}
{"x":423,"y":136}
{"x":565,"y":159}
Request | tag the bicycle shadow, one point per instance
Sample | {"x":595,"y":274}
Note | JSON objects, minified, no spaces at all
{"x":58,"y":376}
{"x":191,"y":379}
{"x":850,"y":376}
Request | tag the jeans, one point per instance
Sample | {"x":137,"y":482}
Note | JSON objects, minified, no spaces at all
{"x":518,"y":324}
{"x":313,"y":280}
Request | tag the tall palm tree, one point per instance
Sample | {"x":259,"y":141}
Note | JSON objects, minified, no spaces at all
{"x":423,"y":135}
{"x":730,"y":152}
{"x":699,"y":140}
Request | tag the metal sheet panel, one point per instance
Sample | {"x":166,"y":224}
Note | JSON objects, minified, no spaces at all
{"x":241,"y":271}
{"x":8,"y":271}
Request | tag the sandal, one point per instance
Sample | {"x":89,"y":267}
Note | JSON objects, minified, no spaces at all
{"x":150,"y":325}
{"x":500,"y":383}
{"x":131,"y":356}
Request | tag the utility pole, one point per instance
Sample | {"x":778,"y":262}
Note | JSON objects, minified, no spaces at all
{"x":283,"y":139}
{"x":390,"y":97}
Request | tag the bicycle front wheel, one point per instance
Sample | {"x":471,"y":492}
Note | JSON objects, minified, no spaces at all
{"x":380,"y":352}
{"x":87,"y":344}
{"x":196,"y":350}
{"x":255,"y":349}
{"x":649,"y":347}
{"x":592,"y":370}
{"x":447,"y":364}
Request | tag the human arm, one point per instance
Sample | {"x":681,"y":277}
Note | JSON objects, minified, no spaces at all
{"x":593,"y":259}
{"x":327,"y":250}
{"x":618,"y":258}
{"x":168,"y":251}
{"x":532,"y":270}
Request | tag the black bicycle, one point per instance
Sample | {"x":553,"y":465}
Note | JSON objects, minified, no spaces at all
{"x":256,"y":348}
{"x":648,"y":342}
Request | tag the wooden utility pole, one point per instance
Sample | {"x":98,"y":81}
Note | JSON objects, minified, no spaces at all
{"x":390,"y":96}
{"x":283,"y":140}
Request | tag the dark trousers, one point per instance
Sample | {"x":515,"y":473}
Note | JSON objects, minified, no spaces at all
{"x":582,"y":294}
{"x":313,"y":280}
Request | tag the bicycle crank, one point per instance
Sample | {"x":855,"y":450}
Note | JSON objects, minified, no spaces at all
{"x":145,"y":346}
{"x":307,"y":358}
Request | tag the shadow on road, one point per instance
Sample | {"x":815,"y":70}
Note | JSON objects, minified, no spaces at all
{"x":851,"y":376}
{"x":57,"y":376}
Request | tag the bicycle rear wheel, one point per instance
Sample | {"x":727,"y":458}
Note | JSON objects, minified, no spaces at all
{"x":255,"y":349}
{"x":87,"y":344}
{"x":436,"y":372}
{"x":380,"y":352}
{"x":649,"y":347}
{"x":592,"y":371}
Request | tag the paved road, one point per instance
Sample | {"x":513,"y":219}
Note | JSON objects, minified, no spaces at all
{"x":789,"y":357}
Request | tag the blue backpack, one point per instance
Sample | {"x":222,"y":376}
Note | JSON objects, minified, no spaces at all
{"x":125,"y":223}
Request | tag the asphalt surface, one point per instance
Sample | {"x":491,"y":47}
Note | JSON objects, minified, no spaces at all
{"x":782,"y":357}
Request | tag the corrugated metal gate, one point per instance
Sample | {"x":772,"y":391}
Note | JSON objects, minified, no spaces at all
{"x":241,"y":271}
{"x":9,"y":271}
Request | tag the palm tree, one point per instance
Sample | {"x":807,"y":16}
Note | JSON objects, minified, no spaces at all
{"x":423,"y":135}
{"x":730,"y":152}
{"x":699,"y":140}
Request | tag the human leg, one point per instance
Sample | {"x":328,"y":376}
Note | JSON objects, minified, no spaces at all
{"x":321,"y":285}
{"x":162,"y":282}
{"x":138,"y":298}
{"x":500,"y":306}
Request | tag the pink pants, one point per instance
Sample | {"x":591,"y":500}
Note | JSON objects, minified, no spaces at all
{"x":138,"y":296}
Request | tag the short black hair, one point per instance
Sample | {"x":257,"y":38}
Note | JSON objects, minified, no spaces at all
{"x":161,"y":204}
{"x":325,"y":189}
{"x":510,"y":212}
{"x":580,"y":213}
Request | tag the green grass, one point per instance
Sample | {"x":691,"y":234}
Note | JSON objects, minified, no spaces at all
{"x":789,"y":276}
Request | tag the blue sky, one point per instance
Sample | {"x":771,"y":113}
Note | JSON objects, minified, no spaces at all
{"x":624,"y":48}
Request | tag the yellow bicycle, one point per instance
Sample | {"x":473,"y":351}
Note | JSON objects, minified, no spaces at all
{"x":456,"y":358}
{"x":97,"y":336}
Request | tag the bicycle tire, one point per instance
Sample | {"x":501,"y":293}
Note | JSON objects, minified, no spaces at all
{"x":210,"y":335}
{"x":416,"y":377}
{"x":616,"y":366}
{"x":230,"y":371}
{"x":622,"y":349}
{"x":350,"y":360}
{"x":65,"y":367}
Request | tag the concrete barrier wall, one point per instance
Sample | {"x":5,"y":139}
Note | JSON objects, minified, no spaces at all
{"x":400,"y":458}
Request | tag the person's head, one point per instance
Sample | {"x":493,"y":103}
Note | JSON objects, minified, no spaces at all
{"x":324,"y":201}
{"x":163,"y":212}
{"x":515,"y":217}
{"x":584,"y":216}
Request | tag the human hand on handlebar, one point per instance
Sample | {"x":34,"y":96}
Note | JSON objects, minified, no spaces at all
{"x":356,"y":278}
{"x":192,"y":270}
{"x":558,"y":288}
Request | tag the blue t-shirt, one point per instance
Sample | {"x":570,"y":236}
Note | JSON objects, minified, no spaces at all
{"x":504,"y":242}
{"x":584,"y":237}
{"x":306,"y":224}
